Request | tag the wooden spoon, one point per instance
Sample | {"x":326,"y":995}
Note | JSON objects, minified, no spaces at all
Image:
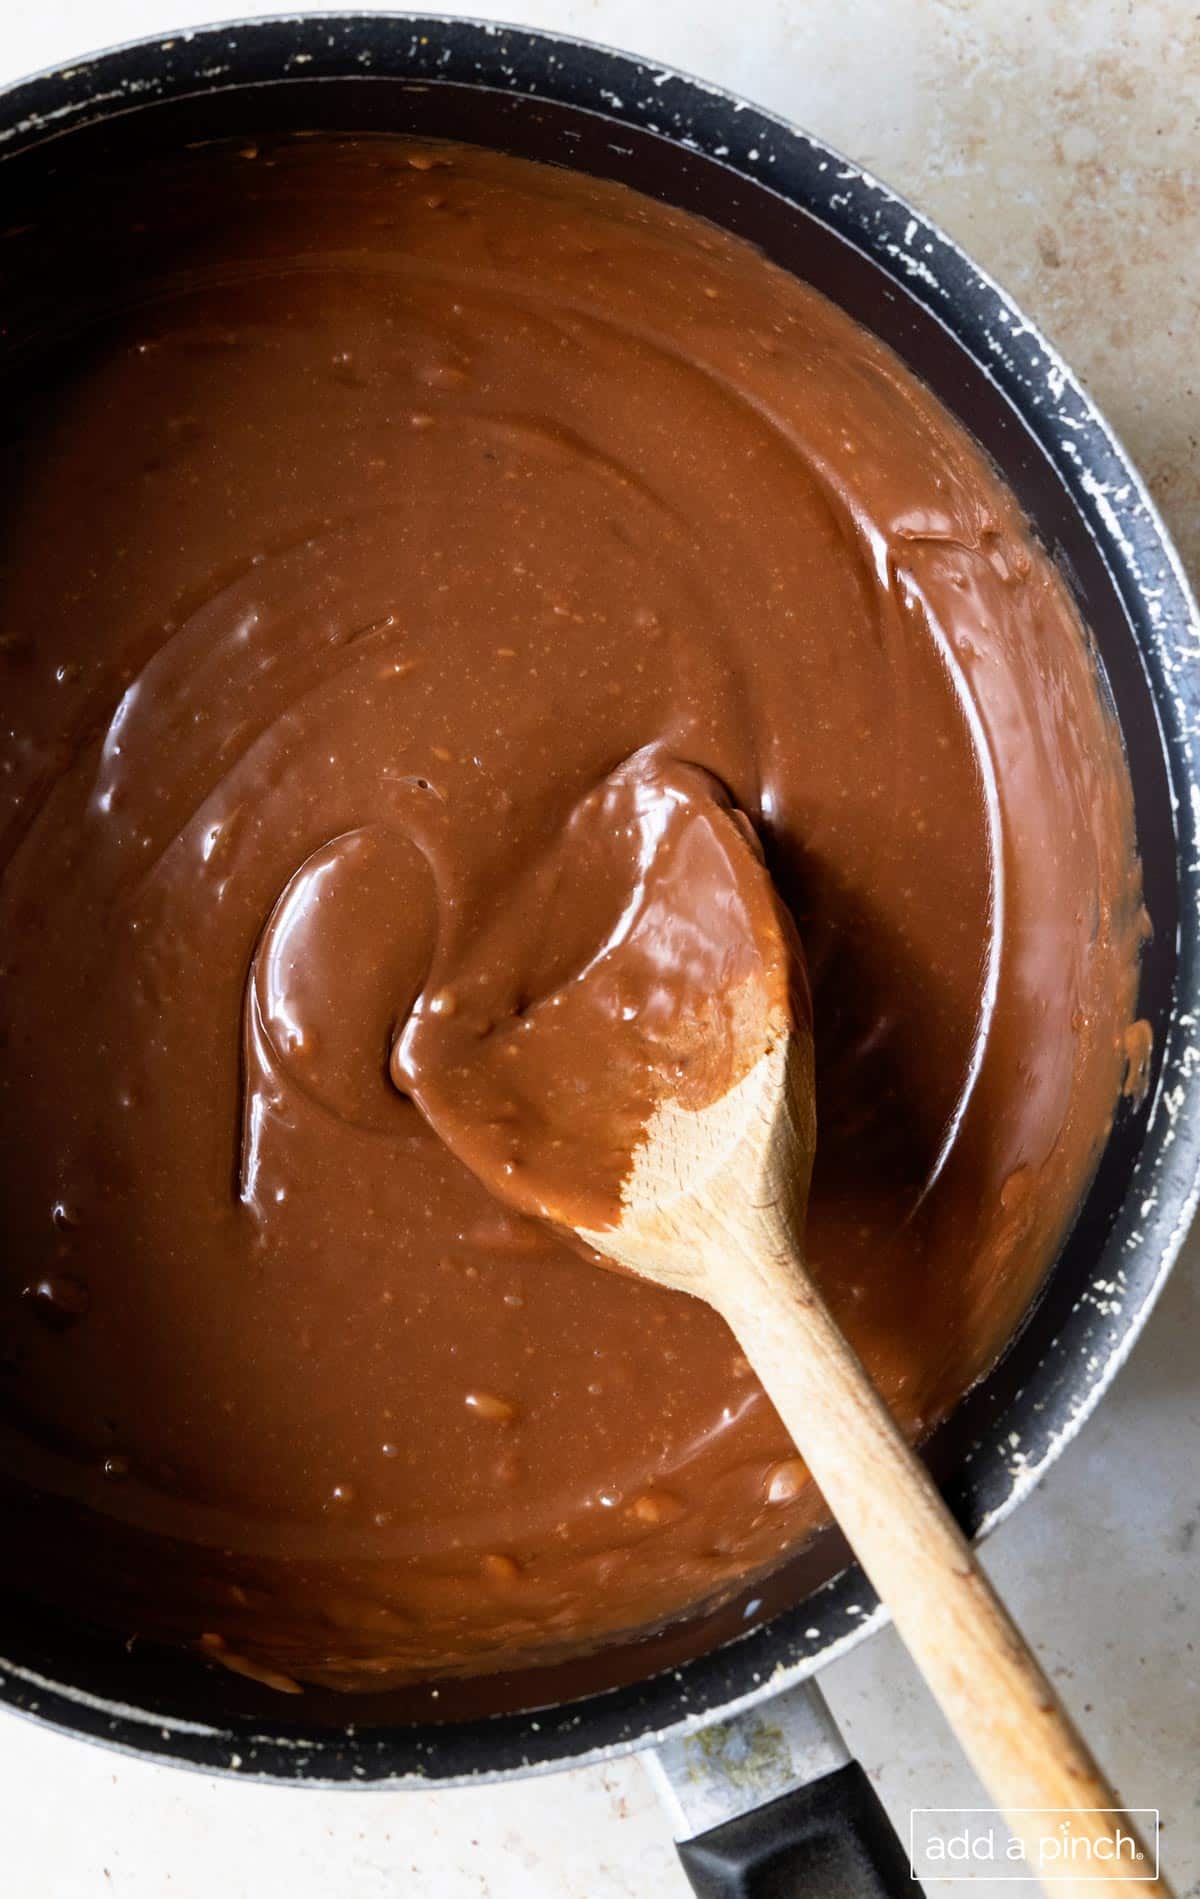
{"x":714,"y":1205}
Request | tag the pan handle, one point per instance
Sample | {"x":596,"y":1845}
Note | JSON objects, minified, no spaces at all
{"x":829,"y":1840}
{"x":768,"y":1804}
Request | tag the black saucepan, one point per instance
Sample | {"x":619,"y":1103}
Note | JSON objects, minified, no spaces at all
{"x":815,"y":213}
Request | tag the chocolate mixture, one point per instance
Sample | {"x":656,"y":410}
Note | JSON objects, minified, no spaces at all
{"x":541,"y":1060}
{"x":374,"y":503}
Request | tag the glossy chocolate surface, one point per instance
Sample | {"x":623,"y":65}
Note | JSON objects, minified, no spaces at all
{"x":382,"y":503}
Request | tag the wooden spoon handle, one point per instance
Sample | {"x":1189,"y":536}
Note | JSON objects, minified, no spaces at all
{"x":990,"y":1686}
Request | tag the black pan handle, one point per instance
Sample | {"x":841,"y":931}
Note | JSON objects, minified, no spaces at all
{"x":767,"y":1804}
{"x":829,"y":1840}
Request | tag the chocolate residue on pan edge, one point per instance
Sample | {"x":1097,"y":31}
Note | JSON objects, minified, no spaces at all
{"x":372,"y":503}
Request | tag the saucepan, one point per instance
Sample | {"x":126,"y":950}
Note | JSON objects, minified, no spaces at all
{"x":742,"y":1678}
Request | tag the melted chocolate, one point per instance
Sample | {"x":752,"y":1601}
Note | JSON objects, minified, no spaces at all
{"x":376,"y":505}
{"x":540,"y":1058}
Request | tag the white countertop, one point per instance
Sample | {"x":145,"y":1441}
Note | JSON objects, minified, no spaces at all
{"x":1060,"y":142}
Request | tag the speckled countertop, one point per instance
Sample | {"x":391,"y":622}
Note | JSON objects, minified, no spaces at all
{"x":1060,"y":143}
